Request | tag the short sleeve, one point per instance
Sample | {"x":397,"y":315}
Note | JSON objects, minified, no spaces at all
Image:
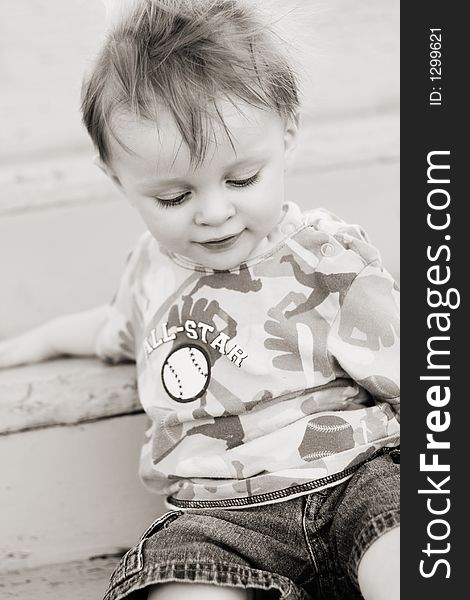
{"x":365,"y":335}
{"x":116,"y":340}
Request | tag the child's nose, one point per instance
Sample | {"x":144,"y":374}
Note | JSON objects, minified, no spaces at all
{"x":214,"y":209}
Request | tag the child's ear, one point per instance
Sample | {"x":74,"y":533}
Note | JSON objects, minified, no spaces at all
{"x":108,"y":172}
{"x":291,"y":134}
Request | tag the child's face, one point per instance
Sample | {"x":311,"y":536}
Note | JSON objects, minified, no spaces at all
{"x":220,"y":212}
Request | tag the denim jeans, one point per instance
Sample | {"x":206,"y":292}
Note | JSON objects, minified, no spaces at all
{"x":308,"y":547}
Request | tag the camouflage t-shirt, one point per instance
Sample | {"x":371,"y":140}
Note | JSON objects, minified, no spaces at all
{"x":267,"y":381}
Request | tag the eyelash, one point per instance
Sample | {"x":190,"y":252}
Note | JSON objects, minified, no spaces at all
{"x":241,"y":183}
{"x":237,"y":183}
{"x":172,"y":202}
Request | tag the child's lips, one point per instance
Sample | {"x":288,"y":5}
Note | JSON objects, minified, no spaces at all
{"x":222,"y":243}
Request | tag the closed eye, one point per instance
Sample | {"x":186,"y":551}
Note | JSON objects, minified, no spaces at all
{"x":171,"y":202}
{"x":240,"y":183}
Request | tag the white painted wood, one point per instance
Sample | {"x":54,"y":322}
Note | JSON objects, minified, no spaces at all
{"x":345,"y":143}
{"x":63,"y":180}
{"x":62,"y":261}
{"x":68,"y":493}
{"x":65,"y":392}
{"x":77,"y":580}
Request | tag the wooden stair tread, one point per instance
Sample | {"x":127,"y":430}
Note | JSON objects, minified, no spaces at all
{"x":67,"y":581}
{"x":65,"y":392}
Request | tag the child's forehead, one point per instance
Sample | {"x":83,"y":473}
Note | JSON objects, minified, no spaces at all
{"x":244,"y":135}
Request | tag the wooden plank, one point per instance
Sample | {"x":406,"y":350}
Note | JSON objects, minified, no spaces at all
{"x":62,"y":261}
{"x":58,"y":181}
{"x":68,"y":391}
{"x":349,"y":54}
{"x":68,"y":493}
{"x":75,"y":580}
{"x":346,"y":143}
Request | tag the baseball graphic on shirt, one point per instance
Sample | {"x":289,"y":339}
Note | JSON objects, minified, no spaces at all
{"x":324,"y":436}
{"x":186,"y":373}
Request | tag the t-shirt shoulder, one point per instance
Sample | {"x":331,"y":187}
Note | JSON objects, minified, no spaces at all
{"x":116,"y":339}
{"x":350,"y":236}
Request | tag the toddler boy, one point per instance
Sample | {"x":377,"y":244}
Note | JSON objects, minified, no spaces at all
{"x":266,"y":339}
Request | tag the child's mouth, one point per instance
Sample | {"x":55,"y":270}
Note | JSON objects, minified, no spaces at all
{"x":221,"y":243}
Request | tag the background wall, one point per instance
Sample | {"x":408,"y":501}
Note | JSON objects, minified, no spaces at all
{"x":64,"y":229}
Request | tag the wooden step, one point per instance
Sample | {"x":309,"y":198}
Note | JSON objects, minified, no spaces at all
{"x":77,"y":580}
{"x":71,"y":433}
{"x":65,"y":392}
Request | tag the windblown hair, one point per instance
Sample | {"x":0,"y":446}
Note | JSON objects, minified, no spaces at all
{"x":187,"y":55}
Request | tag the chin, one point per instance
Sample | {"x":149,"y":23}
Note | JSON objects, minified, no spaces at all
{"x":220,"y":265}
{"x":224,"y":260}
{"x":225,"y":263}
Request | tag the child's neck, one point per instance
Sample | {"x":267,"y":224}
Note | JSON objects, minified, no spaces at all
{"x":272,"y":239}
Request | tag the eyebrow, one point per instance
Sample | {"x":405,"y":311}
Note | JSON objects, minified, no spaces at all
{"x":183,"y":180}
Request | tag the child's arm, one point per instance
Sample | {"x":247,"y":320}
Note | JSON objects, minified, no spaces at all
{"x":365,"y":336}
{"x":73,"y":335}
{"x":106,"y":331}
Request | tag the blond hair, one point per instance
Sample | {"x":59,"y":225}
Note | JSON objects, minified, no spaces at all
{"x":187,"y":55}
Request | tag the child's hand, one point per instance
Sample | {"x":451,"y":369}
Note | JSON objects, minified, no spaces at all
{"x":72,"y":335}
